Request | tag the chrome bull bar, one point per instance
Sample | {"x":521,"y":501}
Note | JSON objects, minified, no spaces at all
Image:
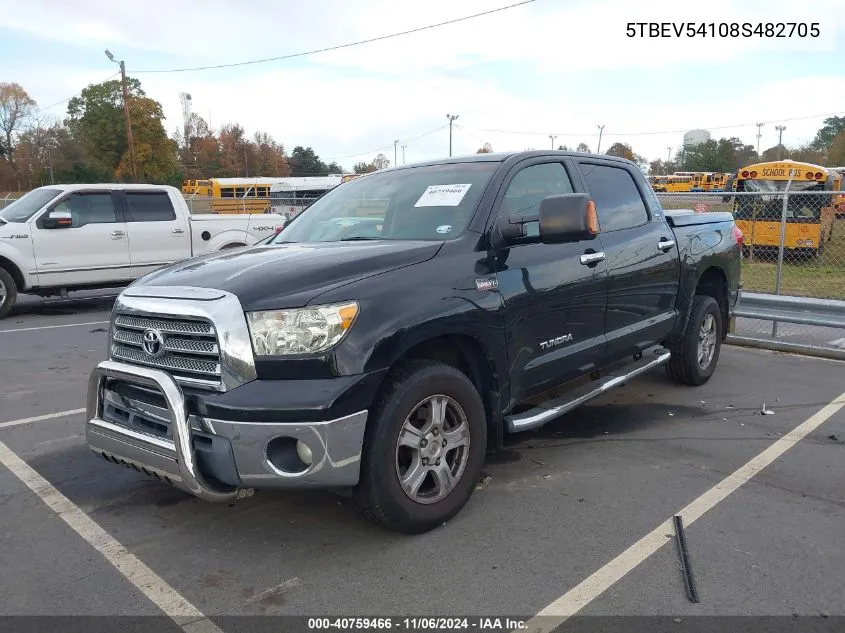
{"x":192,"y":480}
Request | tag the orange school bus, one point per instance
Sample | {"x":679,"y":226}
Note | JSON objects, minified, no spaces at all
{"x":809,"y":213}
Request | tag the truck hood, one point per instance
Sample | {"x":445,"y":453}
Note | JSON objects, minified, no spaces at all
{"x":290,"y":275}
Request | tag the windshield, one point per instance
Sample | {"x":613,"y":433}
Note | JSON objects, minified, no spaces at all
{"x":434,"y":202}
{"x":26,"y":206}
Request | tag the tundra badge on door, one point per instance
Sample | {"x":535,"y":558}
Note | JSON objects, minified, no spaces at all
{"x":566,"y":338}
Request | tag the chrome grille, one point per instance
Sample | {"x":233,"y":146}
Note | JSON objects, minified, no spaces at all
{"x":190,"y":351}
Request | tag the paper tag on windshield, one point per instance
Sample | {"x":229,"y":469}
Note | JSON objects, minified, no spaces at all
{"x":442,"y":196}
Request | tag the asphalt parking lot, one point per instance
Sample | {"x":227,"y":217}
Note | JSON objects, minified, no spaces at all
{"x":572,"y":518}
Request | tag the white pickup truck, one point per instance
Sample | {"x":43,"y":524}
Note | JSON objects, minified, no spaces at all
{"x":73,"y":237}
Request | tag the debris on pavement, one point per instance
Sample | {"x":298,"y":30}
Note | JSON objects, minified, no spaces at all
{"x":689,"y":581}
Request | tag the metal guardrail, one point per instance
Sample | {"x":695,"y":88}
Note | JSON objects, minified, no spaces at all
{"x":824,"y":313}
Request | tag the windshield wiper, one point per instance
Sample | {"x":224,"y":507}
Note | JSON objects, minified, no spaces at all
{"x":359,"y":238}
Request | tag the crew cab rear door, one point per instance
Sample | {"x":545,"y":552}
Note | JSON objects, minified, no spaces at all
{"x":158,"y":235}
{"x":554,"y":302}
{"x":641,"y":256}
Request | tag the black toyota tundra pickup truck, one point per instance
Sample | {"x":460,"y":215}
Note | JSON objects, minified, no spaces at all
{"x":390,"y":336}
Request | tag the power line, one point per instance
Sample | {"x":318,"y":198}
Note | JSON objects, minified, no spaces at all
{"x":339,"y":46}
{"x":721,"y":127}
{"x":384,"y":147}
{"x":76,"y":94}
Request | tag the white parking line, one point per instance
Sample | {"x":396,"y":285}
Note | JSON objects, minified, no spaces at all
{"x":39,"y":418}
{"x":593,"y":586}
{"x":50,"y":327}
{"x":165,"y":597}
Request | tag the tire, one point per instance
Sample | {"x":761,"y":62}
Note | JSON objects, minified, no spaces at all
{"x":684,"y":366}
{"x":379,"y":493}
{"x":8,"y":293}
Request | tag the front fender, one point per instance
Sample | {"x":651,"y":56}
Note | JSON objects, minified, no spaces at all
{"x":21,"y":261}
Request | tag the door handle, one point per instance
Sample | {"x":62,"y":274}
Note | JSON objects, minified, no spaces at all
{"x":117,"y":234}
{"x":177,"y":231}
{"x":592,"y":258}
{"x":665,"y":245}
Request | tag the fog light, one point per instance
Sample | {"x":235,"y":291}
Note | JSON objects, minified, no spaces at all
{"x":304,"y":453}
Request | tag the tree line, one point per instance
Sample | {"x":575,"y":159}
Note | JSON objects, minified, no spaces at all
{"x":90,"y":144}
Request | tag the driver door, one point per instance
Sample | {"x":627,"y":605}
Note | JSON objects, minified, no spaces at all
{"x":93,"y":249}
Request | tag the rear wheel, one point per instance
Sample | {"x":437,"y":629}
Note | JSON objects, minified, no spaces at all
{"x":423,"y":449}
{"x":695,"y":355}
{"x":8,"y":293}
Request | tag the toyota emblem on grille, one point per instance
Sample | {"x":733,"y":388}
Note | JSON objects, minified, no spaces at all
{"x":153,"y":342}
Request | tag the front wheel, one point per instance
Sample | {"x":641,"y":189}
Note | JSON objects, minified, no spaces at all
{"x":423,"y":449}
{"x":8,"y":293}
{"x":695,"y":355}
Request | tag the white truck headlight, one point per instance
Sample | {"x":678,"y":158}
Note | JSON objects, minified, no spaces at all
{"x":300,"y":331}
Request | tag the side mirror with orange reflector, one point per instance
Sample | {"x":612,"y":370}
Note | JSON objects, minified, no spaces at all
{"x":57,"y":220}
{"x":569,"y":217}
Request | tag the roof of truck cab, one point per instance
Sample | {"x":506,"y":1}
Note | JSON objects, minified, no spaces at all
{"x":500,"y":157}
{"x":105,"y":186}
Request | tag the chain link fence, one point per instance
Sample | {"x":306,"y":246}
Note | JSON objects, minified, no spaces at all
{"x":794,"y":245}
{"x":8,"y":197}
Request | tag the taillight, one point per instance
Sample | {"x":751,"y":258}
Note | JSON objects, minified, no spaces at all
{"x":738,"y":236}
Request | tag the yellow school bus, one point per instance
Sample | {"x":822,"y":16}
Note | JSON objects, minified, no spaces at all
{"x":240,"y":195}
{"x":676,"y":183}
{"x":196,"y":187}
{"x":809,"y":217}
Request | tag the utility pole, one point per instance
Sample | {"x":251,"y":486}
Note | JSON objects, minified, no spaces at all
{"x":395,"y":157}
{"x":759,"y":134}
{"x":246,"y":165}
{"x":553,"y":137}
{"x":403,"y":154}
{"x":126,"y":114}
{"x":451,"y":118}
{"x":601,"y":129}
{"x":780,"y":129}
{"x":669,"y":156}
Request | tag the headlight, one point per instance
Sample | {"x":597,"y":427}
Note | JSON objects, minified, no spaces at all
{"x":300,"y":331}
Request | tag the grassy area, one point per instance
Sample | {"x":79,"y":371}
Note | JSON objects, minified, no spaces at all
{"x":823,"y":277}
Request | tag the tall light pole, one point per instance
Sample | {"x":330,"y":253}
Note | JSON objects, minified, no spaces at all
{"x":601,"y":129}
{"x":126,"y":114}
{"x":395,"y":158}
{"x":780,"y":129}
{"x":669,"y":156}
{"x":451,"y":118}
{"x":553,"y":137}
{"x":403,"y":154}
{"x":759,"y":134}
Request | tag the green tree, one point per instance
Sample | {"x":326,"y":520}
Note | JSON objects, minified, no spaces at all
{"x":365,"y":168}
{"x":96,"y":119}
{"x":305,"y":162}
{"x":829,"y":130}
{"x":155,"y":153}
{"x":836,"y":152}
{"x":583,"y":147}
{"x":622,"y":150}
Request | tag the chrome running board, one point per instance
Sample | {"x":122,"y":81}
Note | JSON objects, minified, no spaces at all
{"x":551,"y":409}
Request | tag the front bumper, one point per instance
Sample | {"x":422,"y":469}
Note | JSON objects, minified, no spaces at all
{"x":215,"y":460}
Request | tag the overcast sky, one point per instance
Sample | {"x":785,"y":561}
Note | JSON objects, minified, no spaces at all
{"x":514,"y":77}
